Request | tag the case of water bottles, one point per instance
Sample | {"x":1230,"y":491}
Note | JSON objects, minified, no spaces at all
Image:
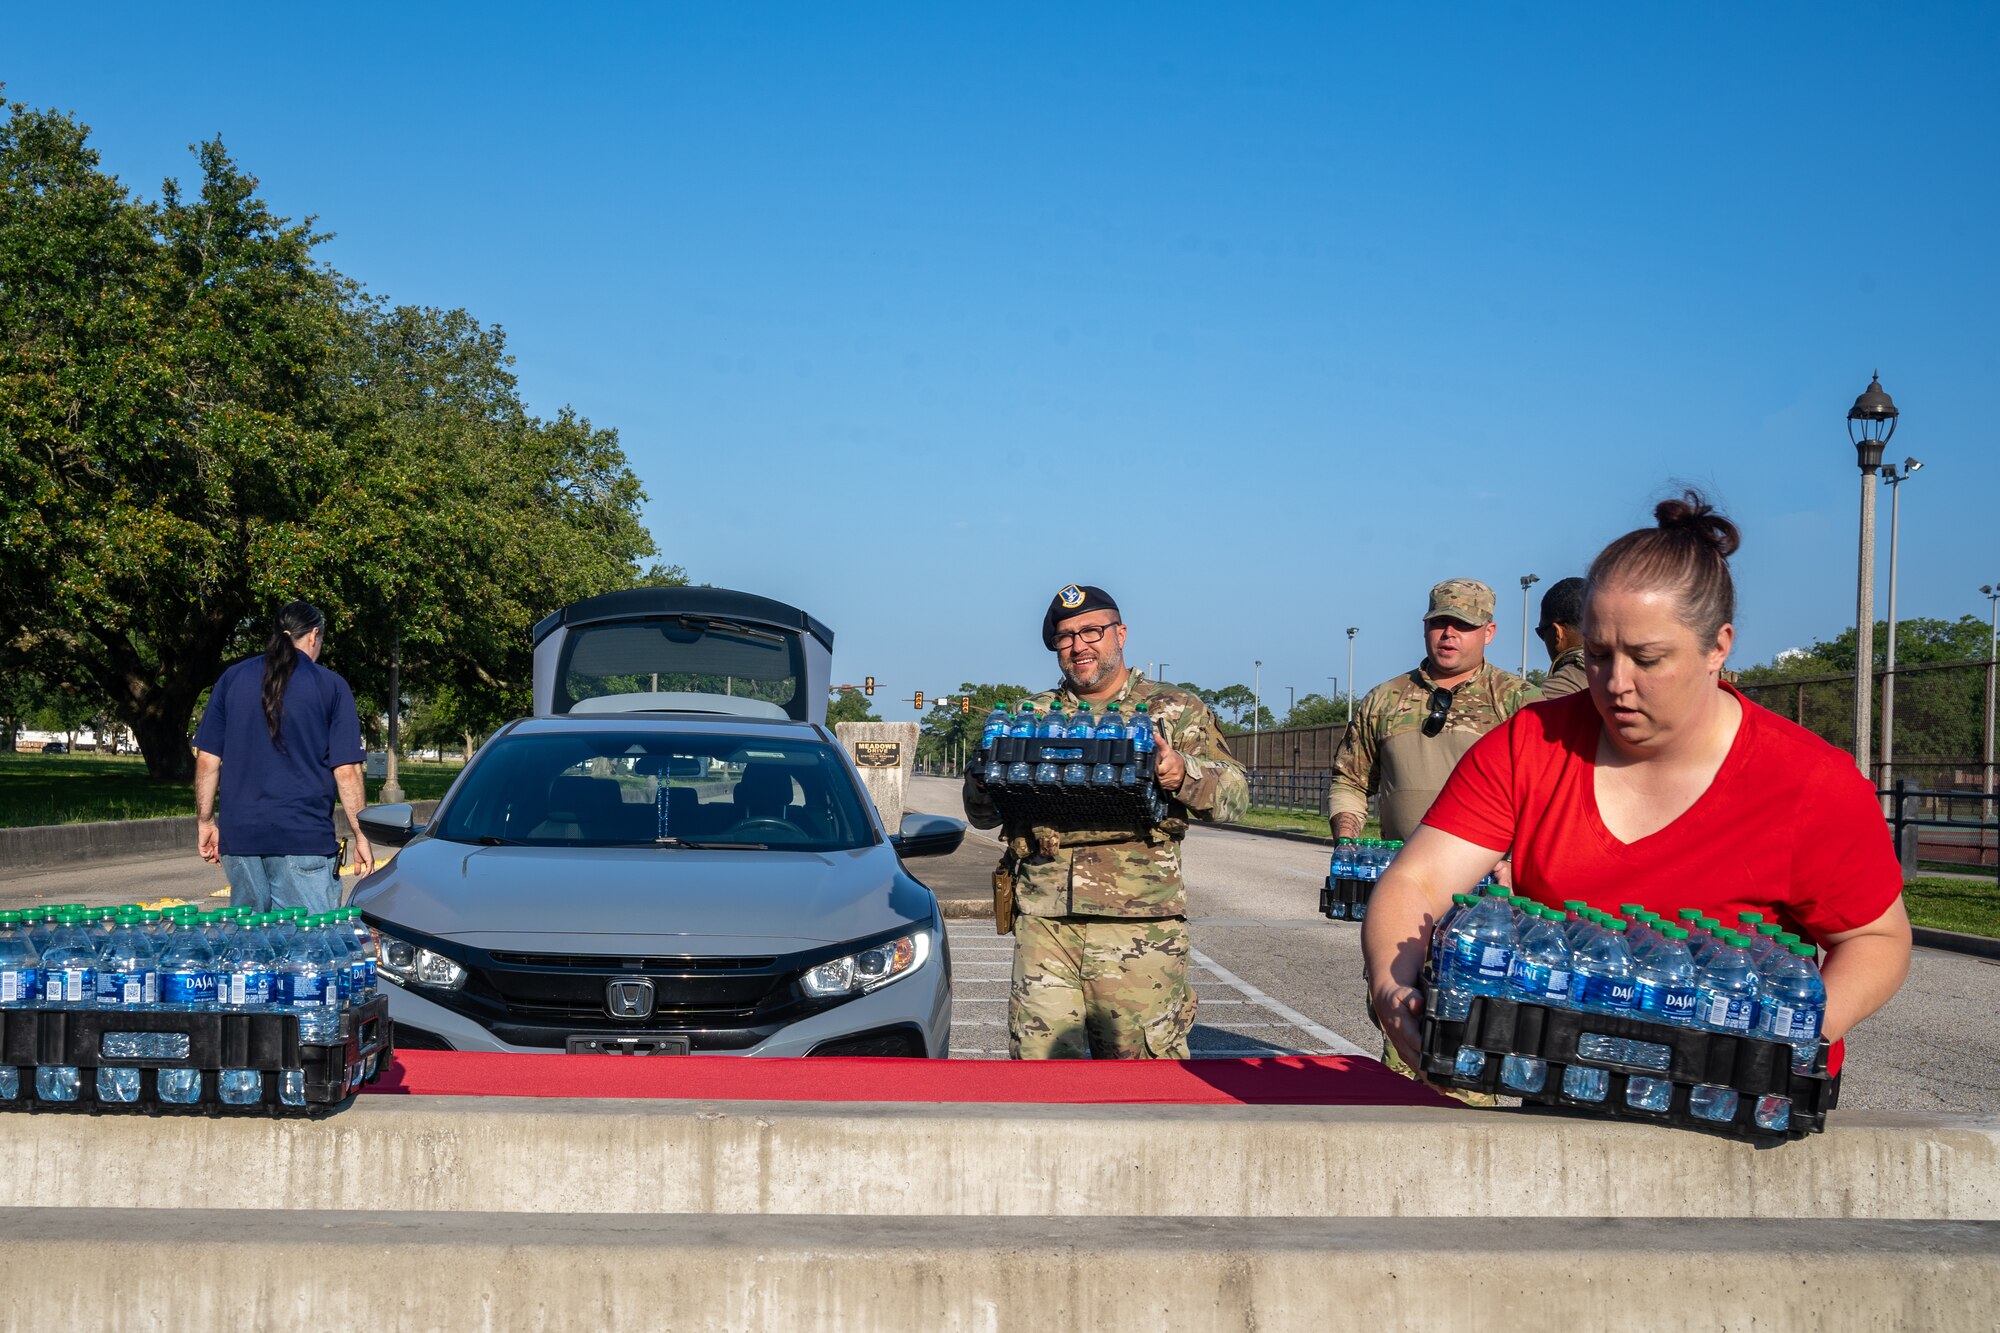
{"x":130,"y":1011}
{"x":1351,"y":875}
{"x":1071,"y":770}
{"x":1723,"y":1039}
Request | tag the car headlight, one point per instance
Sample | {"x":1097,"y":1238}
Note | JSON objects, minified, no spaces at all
{"x":864,"y":971}
{"x":413,"y":965}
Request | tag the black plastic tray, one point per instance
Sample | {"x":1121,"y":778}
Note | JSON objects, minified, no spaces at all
{"x":1753,"y":1067}
{"x":1339,"y":896}
{"x":268,"y":1043}
{"x":1058,"y":806}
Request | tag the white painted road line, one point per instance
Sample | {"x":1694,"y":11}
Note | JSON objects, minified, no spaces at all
{"x":1325,"y":1035}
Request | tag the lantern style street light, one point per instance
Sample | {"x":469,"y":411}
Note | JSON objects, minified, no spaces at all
{"x":1351,"y":631}
{"x":1527,"y":581}
{"x":1992,"y":665}
{"x":1895,"y":481}
{"x":1870,"y":423}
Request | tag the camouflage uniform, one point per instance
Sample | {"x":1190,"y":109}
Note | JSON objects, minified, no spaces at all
{"x":1566,"y":676}
{"x":1100,"y":933}
{"x":1386,"y":754}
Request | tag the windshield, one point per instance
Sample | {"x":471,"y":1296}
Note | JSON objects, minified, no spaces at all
{"x":686,"y":663}
{"x":640,"y":788}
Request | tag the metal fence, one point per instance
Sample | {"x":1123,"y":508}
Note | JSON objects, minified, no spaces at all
{"x":1939,"y":735}
{"x":1289,"y":791}
{"x":1953,"y":828}
{"x":1289,"y":749}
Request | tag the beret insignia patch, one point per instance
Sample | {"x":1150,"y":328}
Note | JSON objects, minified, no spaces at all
{"x":1071,"y":597}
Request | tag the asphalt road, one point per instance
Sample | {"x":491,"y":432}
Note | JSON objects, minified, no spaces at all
{"x":1277,"y":976}
{"x":1272,"y":975}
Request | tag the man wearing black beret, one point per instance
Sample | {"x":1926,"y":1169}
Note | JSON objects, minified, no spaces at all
{"x":1100,"y":927}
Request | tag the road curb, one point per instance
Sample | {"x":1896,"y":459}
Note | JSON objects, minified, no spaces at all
{"x":1284,"y":835}
{"x":1952,"y":941}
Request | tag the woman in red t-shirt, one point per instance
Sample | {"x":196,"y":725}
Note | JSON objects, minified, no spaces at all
{"x":1661,"y":786}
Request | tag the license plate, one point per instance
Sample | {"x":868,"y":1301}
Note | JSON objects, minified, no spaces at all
{"x":630,"y":1043}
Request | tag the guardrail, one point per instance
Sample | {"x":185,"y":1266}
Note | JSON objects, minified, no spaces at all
{"x":1912,"y":810}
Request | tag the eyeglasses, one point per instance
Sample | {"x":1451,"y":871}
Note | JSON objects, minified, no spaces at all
{"x":1440,"y":710}
{"x":1088,"y":634}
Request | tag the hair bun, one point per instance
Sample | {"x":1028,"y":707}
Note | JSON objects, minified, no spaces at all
{"x":1692,"y":513}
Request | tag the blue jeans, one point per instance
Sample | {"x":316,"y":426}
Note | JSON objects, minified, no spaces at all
{"x":272,"y":883}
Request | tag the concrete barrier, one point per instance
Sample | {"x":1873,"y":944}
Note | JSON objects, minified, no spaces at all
{"x":144,"y":1268}
{"x":47,"y":845}
{"x":551,"y":1156}
{"x":43,"y":846}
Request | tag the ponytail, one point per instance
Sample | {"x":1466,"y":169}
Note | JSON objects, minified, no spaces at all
{"x":295,"y":620}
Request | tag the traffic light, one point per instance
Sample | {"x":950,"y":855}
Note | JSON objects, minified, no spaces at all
{"x":965,"y":703}
{"x":920,"y":701}
{"x":868,"y":686}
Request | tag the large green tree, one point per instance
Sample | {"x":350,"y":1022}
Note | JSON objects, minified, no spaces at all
{"x":850,"y":705}
{"x":200,"y":420}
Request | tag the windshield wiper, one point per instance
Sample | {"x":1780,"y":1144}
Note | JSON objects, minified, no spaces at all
{"x":700,"y":846}
{"x":491,"y":840}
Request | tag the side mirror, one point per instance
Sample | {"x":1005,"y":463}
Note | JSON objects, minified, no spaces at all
{"x":928,"y":835}
{"x":390,"y":825}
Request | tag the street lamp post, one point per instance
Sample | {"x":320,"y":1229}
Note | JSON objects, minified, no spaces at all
{"x":1350,"y":673}
{"x":392,"y":787}
{"x":1992,"y":664}
{"x":1256,"y":710}
{"x":1895,"y":482}
{"x":1292,"y":701}
{"x":1163,"y":673}
{"x":1870,"y":423}
{"x":1527,"y":581}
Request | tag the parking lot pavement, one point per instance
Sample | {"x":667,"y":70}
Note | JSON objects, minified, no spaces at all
{"x":1232,"y":1017}
{"x":125,"y":880}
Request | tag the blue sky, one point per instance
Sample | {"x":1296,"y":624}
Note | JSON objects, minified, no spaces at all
{"x":1264,"y":318}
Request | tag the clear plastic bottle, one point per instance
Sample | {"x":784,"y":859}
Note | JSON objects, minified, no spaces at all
{"x":1053,"y":727}
{"x":128,"y":979}
{"x":309,"y":987}
{"x":1339,"y":866}
{"x":1726,"y":998}
{"x":69,"y":981}
{"x":1110,"y":727}
{"x":1600,"y":983}
{"x":1792,"y":1010}
{"x":1664,"y":974}
{"x":20,"y":985}
{"x":246,"y":977}
{"x":1142,"y":744}
{"x":1540,"y":976}
{"x":187,"y":985}
{"x":1764,"y":944}
{"x":1082,"y":727}
{"x":1480,"y":958}
{"x":365,"y":948}
{"x":39,"y":924}
{"x":999,"y":723}
{"x":1023,"y":728}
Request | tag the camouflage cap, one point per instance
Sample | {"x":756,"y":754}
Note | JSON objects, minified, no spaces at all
{"x":1468,"y":600}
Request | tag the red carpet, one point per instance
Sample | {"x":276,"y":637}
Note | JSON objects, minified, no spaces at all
{"x":1329,"y":1080}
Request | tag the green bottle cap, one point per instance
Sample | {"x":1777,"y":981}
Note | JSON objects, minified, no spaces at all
{"x":1575,"y":904}
{"x":1804,"y":951}
{"x":1632,"y":909}
{"x":1771,"y":929}
{"x":1143,"y":709}
{"x":1498,"y":891}
{"x":1675,"y":932}
{"x":1689,"y":914}
{"x":1788,"y":939}
{"x":1750,"y":918}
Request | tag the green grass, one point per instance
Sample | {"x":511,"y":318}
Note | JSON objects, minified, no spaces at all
{"x":78,"y":789}
{"x":1297,"y":821}
{"x":1968,"y":905}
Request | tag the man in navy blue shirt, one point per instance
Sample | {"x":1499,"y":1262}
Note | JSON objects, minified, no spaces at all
{"x":279,"y":739}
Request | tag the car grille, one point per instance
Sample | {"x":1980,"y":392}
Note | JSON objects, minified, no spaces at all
{"x":610,"y":963}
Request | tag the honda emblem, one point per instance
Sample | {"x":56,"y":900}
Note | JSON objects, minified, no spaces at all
{"x":629,"y":998}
